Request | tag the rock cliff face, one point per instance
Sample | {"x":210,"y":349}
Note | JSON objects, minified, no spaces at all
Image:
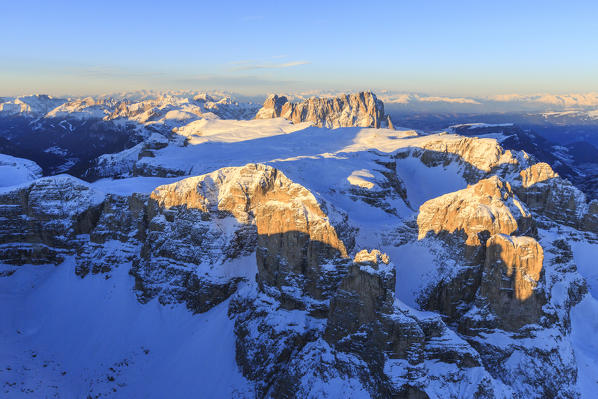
{"x":310,"y":307}
{"x":480,"y":220}
{"x":482,"y":154}
{"x":362,"y":338}
{"x":231,"y":213}
{"x":361,"y":109}
{"x":43,"y":219}
{"x":487,"y":208}
{"x":511,"y":279}
{"x":552,"y":196}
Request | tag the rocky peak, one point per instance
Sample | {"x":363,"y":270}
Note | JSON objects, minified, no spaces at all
{"x":548,"y":194}
{"x":256,"y":194}
{"x":536,"y":173}
{"x":254,"y":207}
{"x":511,"y":278}
{"x":373,"y":257}
{"x":361,"y":109}
{"x":488,"y":207}
{"x":482,"y":154}
{"x":492,"y":227}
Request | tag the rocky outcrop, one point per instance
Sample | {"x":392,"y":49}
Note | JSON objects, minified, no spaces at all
{"x":546,"y":193}
{"x":360,"y":109}
{"x":484,"y":209}
{"x":535,"y":183}
{"x":511,"y":280}
{"x":503,"y":289}
{"x":479,"y":157}
{"x":489,"y":223}
{"x":42,"y":220}
{"x":536,"y":173}
{"x":367,"y":339}
{"x":218,"y":217}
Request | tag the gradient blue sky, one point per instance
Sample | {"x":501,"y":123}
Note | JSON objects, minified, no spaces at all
{"x":472,"y":48}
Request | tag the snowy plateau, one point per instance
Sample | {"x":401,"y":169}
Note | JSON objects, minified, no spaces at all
{"x":193,"y":245}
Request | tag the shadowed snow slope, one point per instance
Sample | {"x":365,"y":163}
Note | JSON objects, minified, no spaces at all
{"x":65,"y":337}
{"x":15,"y":171}
{"x":265,"y":258}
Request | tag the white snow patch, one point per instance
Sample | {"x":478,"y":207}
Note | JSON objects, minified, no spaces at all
{"x":15,"y":171}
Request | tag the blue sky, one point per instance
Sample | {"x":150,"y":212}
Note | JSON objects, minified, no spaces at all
{"x":465,"y":48}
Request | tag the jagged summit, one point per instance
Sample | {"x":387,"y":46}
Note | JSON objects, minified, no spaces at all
{"x":137,"y":107}
{"x":271,"y":257}
{"x":360,"y":109}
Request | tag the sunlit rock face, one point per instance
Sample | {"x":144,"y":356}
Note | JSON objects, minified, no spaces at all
{"x":489,"y":223}
{"x":536,"y":173}
{"x":546,"y":193}
{"x":483,"y":155}
{"x":511,"y":279}
{"x":487,"y":207}
{"x":286,"y":215}
{"x":233,"y":212}
{"x":360,"y":109}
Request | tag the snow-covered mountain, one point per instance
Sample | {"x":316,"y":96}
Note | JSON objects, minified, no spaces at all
{"x":66,"y":135}
{"x":577,"y":161}
{"x":275,"y":258}
{"x":141,"y":107}
{"x":360,"y":109}
{"x":32,"y":106}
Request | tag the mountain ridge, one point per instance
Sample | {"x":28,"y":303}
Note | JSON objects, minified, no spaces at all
{"x":339,"y":261}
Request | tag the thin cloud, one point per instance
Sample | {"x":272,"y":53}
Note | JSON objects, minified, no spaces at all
{"x":248,"y":67}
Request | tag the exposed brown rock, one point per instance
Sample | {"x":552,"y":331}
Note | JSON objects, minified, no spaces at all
{"x":481,"y":153}
{"x":389,"y":123}
{"x":487,"y":206}
{"x":366,"y":291}
{"x":465,"y":220}
{"x":373,"y":257}
{"x":361,"y":109}
{"x":536,"y":173}
{"x":546,"y":193}
{"x":512,"y":272}
{"x":232,"y":212}
{"x":293,"y":231}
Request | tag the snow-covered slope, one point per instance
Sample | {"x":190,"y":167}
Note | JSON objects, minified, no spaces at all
{"x":32,"y":106}
{"x":265,"y":258}
{"x":64,"y":135}
{"x":14,"y":171}
{"x":150,"y":107}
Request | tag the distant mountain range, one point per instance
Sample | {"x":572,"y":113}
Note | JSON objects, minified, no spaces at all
{"x":194,"y":245}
